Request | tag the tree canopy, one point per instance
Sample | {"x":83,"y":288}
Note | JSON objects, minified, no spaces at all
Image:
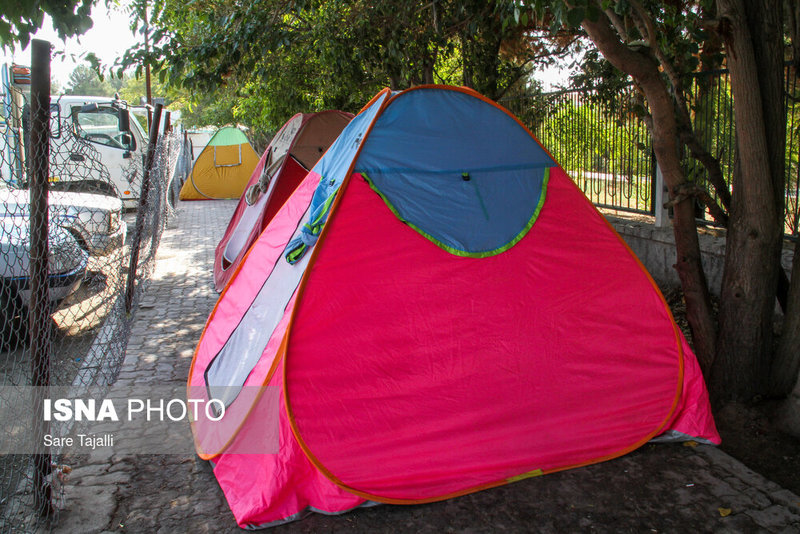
{"x":20,"y":20}
{"x":85,"y":81}
{"x":282,"y":57}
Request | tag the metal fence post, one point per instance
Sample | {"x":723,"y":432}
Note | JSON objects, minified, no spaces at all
{"x":39,"y":312}
{"x":137,"y":235}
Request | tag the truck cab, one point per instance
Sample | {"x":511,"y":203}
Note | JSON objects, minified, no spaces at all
{"x":120,"y":142}
{"x":95,"y":144}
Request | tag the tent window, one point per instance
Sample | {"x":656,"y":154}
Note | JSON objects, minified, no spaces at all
{"x":474,"y":212}
{"x":241,"y":233}
{"x":223,"y":157}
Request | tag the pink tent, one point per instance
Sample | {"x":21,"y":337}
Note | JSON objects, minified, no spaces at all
{"x":436,"y":310}
{"x":294,"y":150}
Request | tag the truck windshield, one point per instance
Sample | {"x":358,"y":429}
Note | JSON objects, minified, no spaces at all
{"x":101,"y":125}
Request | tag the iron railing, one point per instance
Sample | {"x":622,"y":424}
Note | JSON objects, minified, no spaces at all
{"x":606,"y":147}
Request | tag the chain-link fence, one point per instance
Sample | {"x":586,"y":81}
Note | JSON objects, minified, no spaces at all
{"x":77,"y":245}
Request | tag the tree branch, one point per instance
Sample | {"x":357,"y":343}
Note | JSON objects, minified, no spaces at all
{"x":645,"y":70}
{"x":640,"y":66}
{"x":689,"y":190}
{"x":618,"y":23}
{"x":644,"y":18}
{"x":711,"y":164}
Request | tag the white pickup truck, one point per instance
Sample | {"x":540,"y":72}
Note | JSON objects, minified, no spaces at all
{"x":94,"y":220}
{"x":66,"y":270}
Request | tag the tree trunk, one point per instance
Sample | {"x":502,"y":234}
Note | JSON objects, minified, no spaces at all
{"x":644,"y":69}
{"x":766,"y":28}
{"x":749,"y":280}
{"x":786,"y":367}
{"x":480,"y":48}
{"x":788,"y":417}
{"x":792,"y":12}
{"x":428,"y":61}
{"x":466,"y":65}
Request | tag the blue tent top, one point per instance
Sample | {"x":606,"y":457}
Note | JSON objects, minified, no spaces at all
{"x":459,"y":169}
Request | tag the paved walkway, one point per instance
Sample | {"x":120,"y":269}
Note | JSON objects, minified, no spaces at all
{"x":659,"y":488}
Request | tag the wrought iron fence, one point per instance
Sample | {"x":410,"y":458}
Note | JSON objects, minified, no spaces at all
{"x":792,"y":92}
{"x":606,"y":148}
{"x":65,"y":267}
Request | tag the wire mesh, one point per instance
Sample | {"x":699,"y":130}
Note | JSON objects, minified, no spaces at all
{"x":75,"y":324}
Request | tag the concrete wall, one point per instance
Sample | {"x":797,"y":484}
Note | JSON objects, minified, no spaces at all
{"x":656,"y":249}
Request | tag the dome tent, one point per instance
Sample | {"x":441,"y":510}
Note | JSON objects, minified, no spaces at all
{"x":222,"y":168}
{"x":294,"y":150}
{"x":436,"y":310}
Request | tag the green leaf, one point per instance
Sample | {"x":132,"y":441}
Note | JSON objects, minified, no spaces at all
{"x":593,"y":12}
{"x":575,"y":16}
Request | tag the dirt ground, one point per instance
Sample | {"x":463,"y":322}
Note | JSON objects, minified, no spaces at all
{"x":749,"y":435}
{"x":748,"y":431}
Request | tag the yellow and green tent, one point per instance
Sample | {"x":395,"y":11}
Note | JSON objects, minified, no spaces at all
{"x":223,"y":168}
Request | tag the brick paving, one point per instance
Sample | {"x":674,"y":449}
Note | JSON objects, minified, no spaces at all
{"x":672,"y":488}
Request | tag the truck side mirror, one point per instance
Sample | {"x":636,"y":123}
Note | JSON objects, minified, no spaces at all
{"x":124,"y":120}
